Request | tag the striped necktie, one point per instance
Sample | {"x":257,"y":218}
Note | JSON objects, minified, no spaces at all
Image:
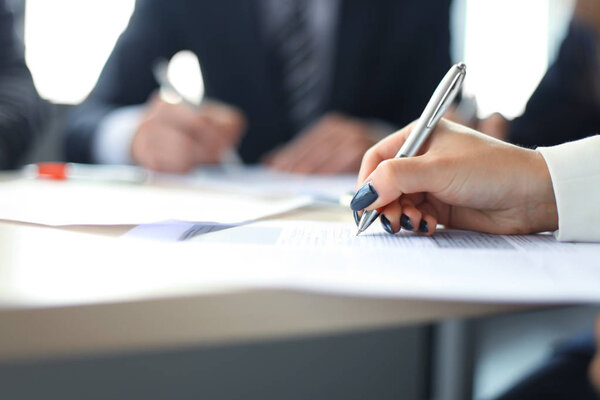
{"x":296,"y":50}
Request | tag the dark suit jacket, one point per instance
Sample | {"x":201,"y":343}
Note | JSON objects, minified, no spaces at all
{"x":390,"y":55}
{"x":563,"y":376}
{"x":20,"y":106}
{"x":566,"y":104}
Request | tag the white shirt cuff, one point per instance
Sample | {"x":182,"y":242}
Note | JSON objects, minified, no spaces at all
{"x":575,"y":171}
{"x":112,"y":142}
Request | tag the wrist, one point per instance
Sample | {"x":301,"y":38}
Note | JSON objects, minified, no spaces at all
{"x":541,"y":207}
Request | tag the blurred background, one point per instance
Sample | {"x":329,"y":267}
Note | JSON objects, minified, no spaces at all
{"x":507,"y":45}
{"x":492,"y":37}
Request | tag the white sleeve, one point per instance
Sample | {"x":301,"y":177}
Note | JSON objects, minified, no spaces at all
{"x":112,"y":142}
{"x":575,"y":171}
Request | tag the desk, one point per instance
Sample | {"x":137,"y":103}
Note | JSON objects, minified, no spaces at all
{"x":171,"y":318}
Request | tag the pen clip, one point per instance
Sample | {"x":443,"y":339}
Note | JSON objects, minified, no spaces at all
{"x":447,"y":99}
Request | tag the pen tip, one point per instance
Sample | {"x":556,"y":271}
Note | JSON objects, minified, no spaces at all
{"x":358,"y":233}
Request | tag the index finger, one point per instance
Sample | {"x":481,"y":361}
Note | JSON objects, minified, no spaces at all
{"x":384,"y":150}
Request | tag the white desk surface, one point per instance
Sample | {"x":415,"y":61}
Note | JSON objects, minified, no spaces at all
{"x":32,"y":327}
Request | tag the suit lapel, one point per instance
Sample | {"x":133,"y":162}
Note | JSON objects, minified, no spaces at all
{"x":259,"y":64}
{"x":251,"y":41}
{"x":356,"y":24}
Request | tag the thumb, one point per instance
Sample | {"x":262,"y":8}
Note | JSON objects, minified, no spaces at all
{"x":393,"y":178}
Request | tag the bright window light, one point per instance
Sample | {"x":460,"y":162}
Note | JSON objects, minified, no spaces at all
{"x":68,"y":42}
{"x":506,"y":51}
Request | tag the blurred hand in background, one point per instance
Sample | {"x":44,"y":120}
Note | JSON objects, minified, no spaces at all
{"x":176,"y":137}
{"x":334,"y":144}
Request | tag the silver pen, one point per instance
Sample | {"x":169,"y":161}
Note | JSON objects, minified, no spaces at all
{"x":439,"y":103}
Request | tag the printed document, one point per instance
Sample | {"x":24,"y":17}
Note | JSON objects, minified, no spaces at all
{"x":311,"y":257}
{"x":452,"y":265}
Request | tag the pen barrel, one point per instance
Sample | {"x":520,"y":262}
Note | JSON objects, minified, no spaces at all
{"x":413,"y":143}
{"x":440,"y":101}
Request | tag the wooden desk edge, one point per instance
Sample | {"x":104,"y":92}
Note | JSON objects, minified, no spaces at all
{"x":210,"y":319}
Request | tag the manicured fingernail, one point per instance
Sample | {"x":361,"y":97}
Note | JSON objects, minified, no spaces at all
{"x":356,"y":219}
{"x":423,"y":227}
{"x":365,"y":196}
{"x":386,"y":224}
{"x":405,"y":223}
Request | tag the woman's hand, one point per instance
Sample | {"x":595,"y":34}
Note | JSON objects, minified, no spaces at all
{"x":461,"y":179}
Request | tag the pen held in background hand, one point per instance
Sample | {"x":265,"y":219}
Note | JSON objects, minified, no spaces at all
{"x":437,"y":106}
{"x":169,"y":93}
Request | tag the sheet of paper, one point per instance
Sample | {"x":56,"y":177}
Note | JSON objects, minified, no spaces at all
{"x":328,"y":235}
{"x":175,"y":231}
{"x":453,"y":265}
{"x":305,"y":256}
{"x":94,"y":203}
{"x":260,"y":180}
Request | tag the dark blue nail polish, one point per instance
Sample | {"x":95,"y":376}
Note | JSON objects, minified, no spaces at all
{"x":423,"y":227}
{"x":365,"y":196}
{"x":387,"y":226}
{"x":405,"y":223}
{"x":356,"y":219}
